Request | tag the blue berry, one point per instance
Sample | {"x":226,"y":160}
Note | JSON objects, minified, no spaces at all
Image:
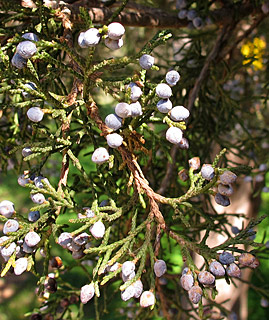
{"x":227,"y":177}
{"x":38,"y":198}
{"x":222,"y":200}
{"x":33,"y":216}
{"x":226,"y":258}
{"x":235,"y":230}
{"x":182,"y":14}
{"x":146,"y":61}
{"x":225,"y":190}
{"x":217,"y":269}
{"x":180,"y":4}
{"x":195,"y":294}
{"x":18,"y":61}
{"x":197,"y":22}
{"x":35,"y":114}
{"x":191,"y":14}
{"x":184,"y":144}
{"x":206,"y":278}
{"x":187,"y":281}
{"x":30,"y":36}
{"x":233,"y":271}
{"x":26,"y":49}
{"x":160,"y":268}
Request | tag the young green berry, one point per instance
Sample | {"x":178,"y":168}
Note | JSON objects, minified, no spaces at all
{"x":86,"y":293}
{"x":81,"y":239}
{"x":123,"y":110}
{"x":113,"y":121}
{"x":26,"y":152}
{"x":227,"y":177}
{"x":222,"y":200}
{"x":26,"y":49}
{"x":64,"y":239}
{"x":172,"y":77}
{"x":20,"y":266}
{"x":195,"y":294}
{"x":179,"y":113}
{"x":129,"y":277}
{"x":113,"y":44}
{"x":100,"y":155}
{"x":136,"y":91}
{"x":7,"y":208}
{"x":30,"y":36}
{"x":147,"y":299}
{"x":174,"y":135}
{"x":127,"y":268}
{"x":33,"y":216}
{"x":194,"y":163}
{"x":233,"y":271}
{"x":114,"y":140}
{"x":206,"y":278}
{"x":217,"y":269}
{"x":187,"y":281}
{"x":235,"y":230}
{"x":182,"y":14}
{"x":146,"y":61}
{"x":32,"y":239}
{"x":38,"y":198}
{"x":128,"y":293}
{"x":207,"y":172}
{"x":164,"y":105}
{"x":160,"y":268}
{"x":18,"y":61}
{"x":35,"y":114}
{"x":226,"y":258}
{"x":81,"y":40}
{"x":98,"y":230}
{"x":225,"y":190}
{"x":136,"y":109}
{"x":22,"y":181}
{"x":163,"y":91}
{"x":184,"y":144}
{"x":92,"y":37}
{"x":115,"y":30}
{"x":11,"y":226}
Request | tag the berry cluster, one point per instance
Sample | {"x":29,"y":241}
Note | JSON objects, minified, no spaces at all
{"x":194,"y":282}
{"x":190,"y":14}
{"x":113,"y":36}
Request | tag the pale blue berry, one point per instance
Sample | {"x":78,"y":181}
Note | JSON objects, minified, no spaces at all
{"x":26,"y":49}
{"x":10,"y":226}
{"x":160,"y":268}
{"x":113,"y":121}
{"x":136,"y":109}
{"x":7,"y":208}
{"x":182,"y":14}
{"x":18,"y":61}
{"x":123,"y":110}
{"x":233,"y":271}
{"x":129,"y":277}
{"x":100,"y":155}
{"x":195,"y":294}
{"x":147,"y":299}
{"x":163,"y":91}
{"x":87,"y":293}
{"x":184,"y":144}
{"x":227,"y":177}
{"x":197,"y":22}
{"x":98,"y":230}
{"x":174,"y":135}
{"x":115,"y":30}
{"x":113,"y":44}
{"x":187,"y":281}
{"x":22,"y":180}
{"x":206,"y":278}
{"x":207,"y":172}
{"x":38,"y":198}
{"x":128,"y":293}
{"x":92,"y":37}
{"x":217,"y":269}
{"x":31,"y":86}
{"x":81,"y":239}
{"x":191,"y":14}
{"x":146,"y":61}
{"x":225,"y":190}
{"x":81,"y":40}
{"x":164,"y":105}
{"x":32,"y":239}
{"x":20,"y":266}
{"x":136,"y":92}
{"x":64,"y":239}
{"x":127,"y":268}
{"x":172,"y":77}
{"x":179,"y":113}
{"x":26,"y":152}
{"x":114,"y":140}
{"x":35,"y":114}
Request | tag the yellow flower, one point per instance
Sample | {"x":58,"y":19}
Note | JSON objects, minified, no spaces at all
{"x":255,"y":51}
